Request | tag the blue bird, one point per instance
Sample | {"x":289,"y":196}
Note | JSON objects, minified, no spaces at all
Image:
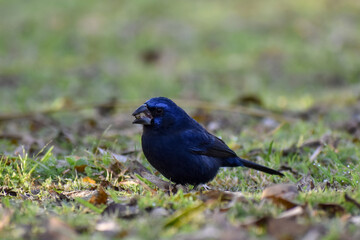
{"x":180,"y":148}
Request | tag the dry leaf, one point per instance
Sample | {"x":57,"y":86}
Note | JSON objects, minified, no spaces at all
{"x":135,"y":166}
{"x":117,"y":157}
{"x":88,"y":180}
{"x":281,"y":194}
{"x":85,"y":194}
{"x":251,"y":222}
{"x":126,"y":211}
{"x":332,"y":209}
{"x":286,"y":228}
{"x":284,"y":202}
{"x":161,"y":184}
{"x":110,"y":227}
{"x":57,"y":229}
{"x":80,"y":168}
{"x":285,"y":191}
{"x":213,"y":231}
{"x":221,"y":195}
{"x":293,"y":212}
{"x":100,"y":197}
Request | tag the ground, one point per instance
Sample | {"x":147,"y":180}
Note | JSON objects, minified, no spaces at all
{"x":278,"y":81}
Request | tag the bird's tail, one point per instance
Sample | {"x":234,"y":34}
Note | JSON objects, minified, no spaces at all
{"x":259,"y":167}
{"x":235,"y":162}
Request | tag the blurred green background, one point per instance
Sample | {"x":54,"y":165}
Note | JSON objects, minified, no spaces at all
{"x":290,"y":54}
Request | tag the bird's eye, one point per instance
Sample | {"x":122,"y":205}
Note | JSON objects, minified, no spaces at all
{"x":159,"y":110}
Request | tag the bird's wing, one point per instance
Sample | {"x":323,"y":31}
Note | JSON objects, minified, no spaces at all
{"x":204,"y":143}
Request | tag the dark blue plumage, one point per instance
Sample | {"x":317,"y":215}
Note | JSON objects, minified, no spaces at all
{"x":180,"y":148}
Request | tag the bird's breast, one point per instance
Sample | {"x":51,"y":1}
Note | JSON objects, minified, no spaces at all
{"x":172,"y":157}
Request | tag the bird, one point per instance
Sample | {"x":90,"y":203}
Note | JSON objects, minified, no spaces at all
{"x":182,"y":150}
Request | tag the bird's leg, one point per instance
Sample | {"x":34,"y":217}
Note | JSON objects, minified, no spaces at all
{"x":202,"y":187}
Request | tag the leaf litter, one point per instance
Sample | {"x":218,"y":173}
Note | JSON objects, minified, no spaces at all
{"x":209,"y":209}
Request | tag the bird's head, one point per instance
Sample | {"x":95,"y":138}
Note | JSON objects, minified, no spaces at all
{"x":159,"y":113}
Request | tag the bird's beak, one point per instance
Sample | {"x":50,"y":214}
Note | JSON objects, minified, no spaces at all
{"x":142,"y":115}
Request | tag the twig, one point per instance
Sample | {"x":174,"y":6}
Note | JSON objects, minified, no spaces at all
{"x":350,"y":199}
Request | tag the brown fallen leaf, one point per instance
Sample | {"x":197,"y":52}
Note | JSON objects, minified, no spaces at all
{"x":251,"y":222}
{"x":283,"y":202}
{"x":286,"y":228}
{"x":283,"y":190}
{"x":57,"y":229}
{"x":80,"y":168}
{"x":332,"y":209}
{"x":214,"y":231}
{"x":85,"y":194}
{"x":293,"y":212}
{"x":120,"y":210}
{"x":100,"y":197}
{"x":222,"y":196}
{"x":111,"y":229}
{"x":281,"y":194}
{"x":161,"y":184}
{"x":117,"y":168}
{"x":135,"y":166}
{"x":116,"y":157}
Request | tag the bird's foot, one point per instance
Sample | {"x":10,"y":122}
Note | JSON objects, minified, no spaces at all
{"x":203,"y":187}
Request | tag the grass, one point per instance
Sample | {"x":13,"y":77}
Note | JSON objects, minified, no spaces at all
{"x":288,"y":56}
